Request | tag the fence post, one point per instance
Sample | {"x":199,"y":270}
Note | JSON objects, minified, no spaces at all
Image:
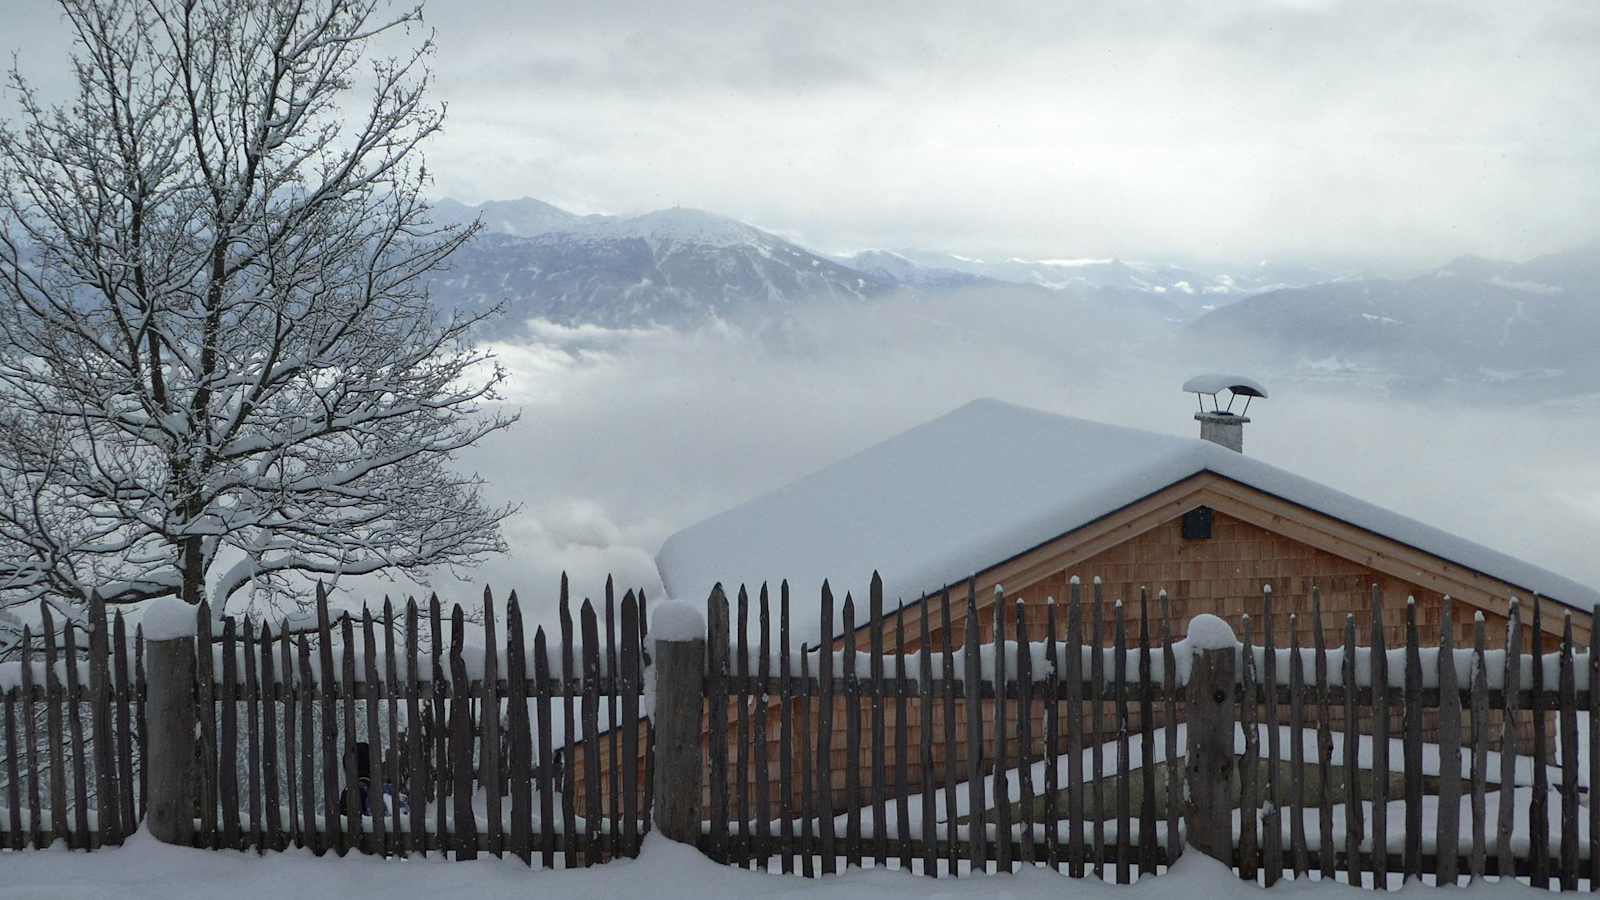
{"x":680,"y":664}
{"x":169,"y":629}
{"x":1209,"y":770}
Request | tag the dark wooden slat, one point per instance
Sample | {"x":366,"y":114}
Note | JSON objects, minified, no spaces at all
{"x":1002,"y":786}
{"x":569,"y":780}
{"x":8,"y":698}
{"x":208,"y":836}
{"x":54,"y":707}
{"x":80,"y":776}
{"x":810,"y":799}
{"x":1352,"y":759}
{"x":30,"y":740}
{"x":392,"y":691}
{"x":785,"y":738}
{"x":1272,"y":843}
{"x":309,"y":832}
{"x":354,"y":835}
{"x":272,"y":829}
{"x":519,"y":767}
{"x":1074,"y":669}
{"x":376,"y":780}
{"x":880,"y":783}
{"x":1052,"y":740}
{"x":106,"y":788}
{"x":1147,"y":743}
{"x":464,"y":824}
{"x":1297,"y":730}
{"x":977,"y":845}
{"x":418,"y":826}
{"x":1594,"y":741}
{"x":1538,"y":808}
{"x":291,"y":697}
{"x":902,"y":737}
{"x":1124,"y":788}
{"x":1024,"y":766}
{"x":119,"y":660}
{"x":545,"y":771}
{"x":439,"y":769}
{"x":952,"y":769}
{"x":1324,"y":742}
{"x":741,"y":706}
{"x":139,"y":700}
{"x":852,"y":737}
{"x":649,"y":735}
{"x":824,"y":803}
{"x":252,"y":685}
{"x":1169,"y":681}
{"x":1480,"y":752}
{"x":595,"y":813}
{"x":1413,"y":746}
{"x":1380,"y":744}
{"x":1511,"y":679}
{"x":758,"y":737}
{"x":613,"y":729}
{"x":1095,"y":783}
{"x":328,"y":684}
{"x":1447,"y":835}
{"x":1249,"y":802}
{"x":628,"y":765}
{"x":228,"y":768}
{"x":1568,"y":723}
{"x":489,"y":766}
{"x":925,"y":695}
{"x":717,"y":713}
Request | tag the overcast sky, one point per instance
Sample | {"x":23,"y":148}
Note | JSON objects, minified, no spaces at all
{"x":1403,"y":133}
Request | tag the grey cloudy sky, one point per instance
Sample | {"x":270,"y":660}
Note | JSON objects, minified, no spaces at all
{"x":1228,"y":129}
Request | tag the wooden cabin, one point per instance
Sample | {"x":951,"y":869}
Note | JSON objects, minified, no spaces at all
{"x":993,"y":494}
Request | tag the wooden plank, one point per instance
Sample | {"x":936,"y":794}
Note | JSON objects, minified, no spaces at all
{"x":952,"y":771}
{"x":1024,"y":765}
{"x":119,"y":658}
{"x":717,"y":715}
{"x":569,"y":780}
{"x":392,"y":692}
{"x":1480,"y":752}
{"x":972,"y":673}
{"x":1380,"y":744}
{"x":1412,"y":858}
{"x":614,"y":729}
{"x":519,"y":767}
{"x":228,"y":770}
{"x":811,"y":800}
{"x":139,"y":718}
{"x":1148,"y":851}
{"x":1352,"y":760}
{"x":1075,"y":673}
{"x":8,"y":698}
{"x":252,"y":687}
{"x":439,"y":770}
{"x":649,"y":735}
{"x":106,"y":792}
{"x":852,"y":737}
{"x":1568,"y":723}
{"x":1594,"y":741}
{"x":355,"y":837}
{"x":1097,"y":693}
{"x":489,"y":766}
{"x":464,"y":824}
{"x":205,"y":678}
{"x":741,"y":707}
{"x":310,"y":834}
{"x":1447,"y":834}
{"x":595,"y":814}
{"x":1297,"y":729}
{"x":545,"y":771}
{"x":1052,"y":739}
{"x":291,"y":697}
{"x":880,"y":783}
{"x":758,"y":736}
{"x":80,"y":836}
{"x":1169,"y":683}
{"x":925,"y":695}
{"x":1538,"y":807}
{"x":824,"y":795}
{"x":1002,"y":787}
{"x":377,"y":691}
{"x":30,"y":741}
{"x":54,"y":704}
{"x":1325,"y":846}
{"x":332,"y":759}
{"x":630,"y":662}
{"x":902,"y":738}
{"x":1272,"y":843}
{"x":1249,"y":801}
{"x":416,"y":833}
{"x":1511,"y":681}
{"x":785,"y":739}
{"x":1124,"y":791}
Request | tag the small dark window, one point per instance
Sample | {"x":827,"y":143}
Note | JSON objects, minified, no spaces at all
{"x":1197,"y":524}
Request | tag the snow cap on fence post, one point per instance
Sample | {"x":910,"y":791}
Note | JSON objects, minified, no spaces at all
{"x":679,"y":632}
{"x":169,"y":626}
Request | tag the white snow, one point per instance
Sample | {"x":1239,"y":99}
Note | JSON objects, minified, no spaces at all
{"x":166,"y":618}
{"x":677,"y":620}
{"x":956,"y":495}
{"x":1217,"y":382}
{"x":1209,"y":632}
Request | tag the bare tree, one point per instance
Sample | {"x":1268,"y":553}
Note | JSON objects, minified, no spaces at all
{"x":219,"y":368}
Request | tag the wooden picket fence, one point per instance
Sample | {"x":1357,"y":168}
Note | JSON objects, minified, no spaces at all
{"x":984,"y":755}
{"x":73,"y":713}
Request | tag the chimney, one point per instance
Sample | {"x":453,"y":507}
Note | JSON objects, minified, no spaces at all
{"x":1221,"y":425}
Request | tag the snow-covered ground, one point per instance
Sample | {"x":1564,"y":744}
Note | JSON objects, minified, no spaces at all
{"x":145,"y":868}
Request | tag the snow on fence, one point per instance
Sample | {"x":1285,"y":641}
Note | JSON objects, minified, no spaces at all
{"x":77,"y":716}
{"x":984,"y":755}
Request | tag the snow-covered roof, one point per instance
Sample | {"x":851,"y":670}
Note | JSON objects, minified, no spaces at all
{"x":1216,"y":383}
{"x":983,"y":483}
